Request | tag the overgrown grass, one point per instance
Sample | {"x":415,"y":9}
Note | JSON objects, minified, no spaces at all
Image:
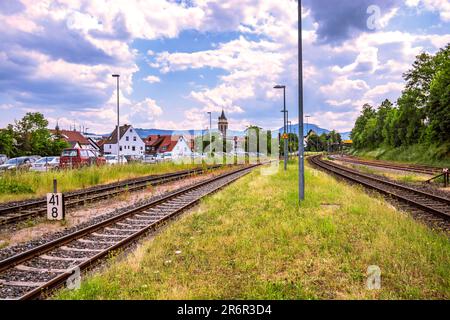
{"x":22,"y":185}
{"x":406,"y":178}
{"x":252,"y":241}
{"x":416,"y":154}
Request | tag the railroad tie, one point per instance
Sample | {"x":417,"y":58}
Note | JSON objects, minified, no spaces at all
{"x":35,"y":269}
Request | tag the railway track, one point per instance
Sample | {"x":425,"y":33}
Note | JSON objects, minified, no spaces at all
{"x":19,"y":211}
{"x":33,"y":273}
{"x":419,"y":199}
{"x":395,"y":166}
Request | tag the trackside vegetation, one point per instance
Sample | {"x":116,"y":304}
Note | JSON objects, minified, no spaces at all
{"x":420,"y":120}
{"x":23,"y":185}
{"x":252,"y":241}
{"x":415,"y":154}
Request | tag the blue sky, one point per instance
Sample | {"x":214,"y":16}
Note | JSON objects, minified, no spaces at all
{"x":180,"y":59}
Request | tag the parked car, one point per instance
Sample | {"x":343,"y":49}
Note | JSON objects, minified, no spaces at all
{"x":3,"y":158}
{"x":112,"y":159}
{"x":135,"y":158}
{"x":149,"y":159}
{"x":167,"y":156}
{"x":46,"y":164}
{"x":77,"y":158}
{"x":20,"y":163}
{"x":35,"y":157}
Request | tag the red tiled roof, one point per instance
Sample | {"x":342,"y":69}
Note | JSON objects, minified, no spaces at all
{"x":72,"y":136}
{"x":168,"y":142}
{"x":153,"y":140}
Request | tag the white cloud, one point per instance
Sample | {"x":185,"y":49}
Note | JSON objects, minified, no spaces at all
{"x":152,"y":79}
{"x":440,"y":6}
{"x":340,"y":121}
{"x":336,"y":103}
{"x":380,"y":92}
{"x":366,"y":62}
{"x":342,"y":86}
{"x":253,"y":68}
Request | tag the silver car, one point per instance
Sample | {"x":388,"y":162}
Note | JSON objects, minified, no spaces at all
{"x":45,"y":164}
{"x":3,"y":158}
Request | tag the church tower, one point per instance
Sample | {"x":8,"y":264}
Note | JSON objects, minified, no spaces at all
{"x":223,"y":125}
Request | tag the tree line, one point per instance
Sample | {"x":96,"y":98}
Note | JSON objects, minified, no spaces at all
{"x":330,"y":141}
{"x":30,"y":136}
{"x":421,"y":114}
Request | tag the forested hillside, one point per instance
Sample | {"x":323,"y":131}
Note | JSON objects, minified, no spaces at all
{"x":420,"y":117}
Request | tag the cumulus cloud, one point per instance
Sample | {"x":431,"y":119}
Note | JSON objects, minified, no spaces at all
{"x":440,"y":6}
{"x":152,"y":79}
{"x":61,"y":54}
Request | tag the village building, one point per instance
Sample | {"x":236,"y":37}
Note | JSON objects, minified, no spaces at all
{"x":130,"y":144}
{"x":75,"y":139}
{"x":168,"y":146}
{"x":223,"y":125}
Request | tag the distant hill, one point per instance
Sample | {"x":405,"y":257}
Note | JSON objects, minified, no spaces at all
{"x":143,"y":133}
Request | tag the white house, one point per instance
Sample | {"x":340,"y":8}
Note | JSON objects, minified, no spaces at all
{"x":130,"y":143}
{"x":181,"y":149}
{"x":169,"y":146}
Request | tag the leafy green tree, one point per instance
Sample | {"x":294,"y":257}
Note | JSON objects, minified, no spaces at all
{"x":358,"y":134}
{"x":254,"y":132}
{"x":438,"y":108}
{"x":8,"y":141}
{"x":382,"y":115}
{"x":313,"y":142}
{"x":409,"y":122}
{"x":421,"y":114}
{"x":32,"y":134}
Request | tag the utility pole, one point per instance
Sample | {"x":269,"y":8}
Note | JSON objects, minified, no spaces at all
{"x":301,"y":165}
{"x":287,"y":128}
{"x":307,"y":126}
{"x":118,"y":125}
{"x":284,"y":122}
{"x":290,"y":146}
{"x":210,"y":136}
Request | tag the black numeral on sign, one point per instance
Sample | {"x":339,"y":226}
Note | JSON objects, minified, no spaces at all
{"x":54,"y":200}
{"x":55,"y":212}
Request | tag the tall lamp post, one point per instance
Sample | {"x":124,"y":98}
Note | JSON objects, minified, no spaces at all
{"x":210,"y":138}
{"x":301,"y":165}
{"x":287,"y":128}
{"x":284,"y":124}
{"x":290,"y":148}
{"x":118,"y":127}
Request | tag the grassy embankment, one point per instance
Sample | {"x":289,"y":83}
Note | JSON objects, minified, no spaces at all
{"x":24,"y":185}
{"x":251,"y":241}
{"x":416,"y":154}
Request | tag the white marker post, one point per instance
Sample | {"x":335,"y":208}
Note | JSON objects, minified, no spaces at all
{"x":55,"y":204}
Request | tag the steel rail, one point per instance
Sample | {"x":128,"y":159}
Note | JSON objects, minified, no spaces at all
{"x":374,"y":183}
{"x":22,"y":211}
{"x":17,"y":259}
{"x":402,"y":167}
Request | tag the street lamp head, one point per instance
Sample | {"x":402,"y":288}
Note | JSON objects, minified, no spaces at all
{"x":278,"y":86}
{"x":116,"y":75}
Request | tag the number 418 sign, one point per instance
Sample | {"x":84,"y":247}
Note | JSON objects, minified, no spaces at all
{"x":55,"y":206}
